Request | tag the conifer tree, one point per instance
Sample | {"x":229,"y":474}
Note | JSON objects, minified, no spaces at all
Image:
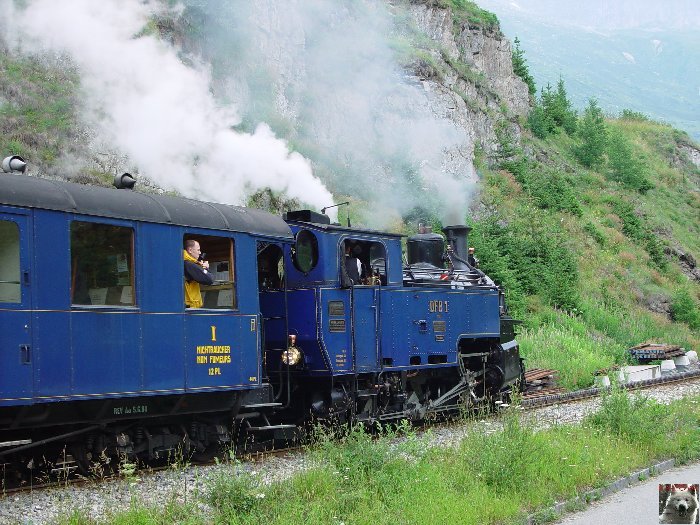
{"x":592,"y":134}
{"x":565,"y":115}
{"x":520,"y":67}
{"x":625,"y":164}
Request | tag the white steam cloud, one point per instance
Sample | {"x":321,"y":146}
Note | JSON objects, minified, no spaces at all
{"x":333,"y":76}
{"x":144,"y":100}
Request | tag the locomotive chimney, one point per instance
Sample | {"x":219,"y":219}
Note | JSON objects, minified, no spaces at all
{"x":457,"y":237}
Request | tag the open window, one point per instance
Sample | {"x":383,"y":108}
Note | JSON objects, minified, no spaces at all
{"x":270,"y":266}
{"x":363,"y":263}
{"x":102,"y":264}
{"x":220,"y":253}
{"x":10,"y":291}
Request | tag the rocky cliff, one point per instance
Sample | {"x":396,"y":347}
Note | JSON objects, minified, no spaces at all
{"x":479,"y":81}
{"x":386,"y":98}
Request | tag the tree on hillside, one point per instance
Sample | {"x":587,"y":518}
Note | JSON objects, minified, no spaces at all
{"x":552,"y":112}
{"x":557,"y":104}
{"x":625,"y":166}
{"x":520,"y":67}
{"x":539,"y":122}
{"x":562,"y":111}
{"x":592,"y":134}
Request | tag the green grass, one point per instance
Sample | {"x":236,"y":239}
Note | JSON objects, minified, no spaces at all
{"x":493,"y":476}
{"x":38,"y":118}
{"x":571,"y":350}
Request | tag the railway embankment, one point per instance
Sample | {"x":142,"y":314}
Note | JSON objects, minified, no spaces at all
{"x":502,"y":469}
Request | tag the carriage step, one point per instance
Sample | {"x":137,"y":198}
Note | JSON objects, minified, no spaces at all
{"x":262,"y":405}
{"x":270,"y":427}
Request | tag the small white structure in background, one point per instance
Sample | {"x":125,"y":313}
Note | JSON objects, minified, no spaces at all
{"x":620,"y":377}
{"x":681,"y":360}
{"x":641,"y":372}
{"x":692,"y":356}
{"x":667,"y":365}
{"x":601,"y":381}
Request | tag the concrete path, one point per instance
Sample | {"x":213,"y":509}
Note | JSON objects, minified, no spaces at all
{"x":635,"y":505}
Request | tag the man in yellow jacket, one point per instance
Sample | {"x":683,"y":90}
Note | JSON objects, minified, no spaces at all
{"x":196,"y":273}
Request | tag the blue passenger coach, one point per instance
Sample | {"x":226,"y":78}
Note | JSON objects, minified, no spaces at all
{"x":94,"y":330}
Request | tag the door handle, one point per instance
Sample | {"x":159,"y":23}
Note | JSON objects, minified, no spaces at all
{"x":25,"y":276}
{"x":25,"y":355}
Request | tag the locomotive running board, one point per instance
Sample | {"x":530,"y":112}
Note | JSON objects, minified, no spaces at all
{"x":15,"y":443}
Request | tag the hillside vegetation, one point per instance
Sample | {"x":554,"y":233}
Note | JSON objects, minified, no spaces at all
{"x":591,"y":223}
{"x":595,"y":259}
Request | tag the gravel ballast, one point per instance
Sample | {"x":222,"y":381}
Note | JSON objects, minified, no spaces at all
{"x":188,"y":483}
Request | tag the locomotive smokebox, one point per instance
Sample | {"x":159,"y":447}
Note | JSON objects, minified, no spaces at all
{"x":457,"y":237}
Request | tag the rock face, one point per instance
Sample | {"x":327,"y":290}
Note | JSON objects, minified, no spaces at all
{"x":490,"y":84}
{"x":466,"y":83}
{"x":692,"y":153}
{"x":485,"y":51}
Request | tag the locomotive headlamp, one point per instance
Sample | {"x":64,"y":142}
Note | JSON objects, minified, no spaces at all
{"x":292,"y":355}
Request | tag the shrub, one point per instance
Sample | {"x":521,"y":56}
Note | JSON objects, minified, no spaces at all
{"x":633,"y":227}
{"x":625,"y":167}
{"x":550,"y":189}
{"x":529,"y":254}
{"x":685,"y":310}
{"x":594,"y":232}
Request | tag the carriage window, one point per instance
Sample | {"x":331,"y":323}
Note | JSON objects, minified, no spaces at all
{"x":102,"y":264}
{"x":219,"y":252}
{"x":305,"y":255}
{"x":9,"y":263}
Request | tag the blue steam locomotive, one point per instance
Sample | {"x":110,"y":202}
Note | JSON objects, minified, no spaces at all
{"x":302,"y":319}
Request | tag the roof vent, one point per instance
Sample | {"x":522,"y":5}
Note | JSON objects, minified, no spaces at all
{"x":125,"y":181}
{"x":14,"y":164}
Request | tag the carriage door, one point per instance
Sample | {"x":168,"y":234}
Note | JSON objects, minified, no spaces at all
{"x":16,"y":354}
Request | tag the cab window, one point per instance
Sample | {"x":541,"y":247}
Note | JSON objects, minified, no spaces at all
{"x":102,"y":263}
{"x":364,"y":263}
{"x":219,"y":252}
{"x":270,"y":266}
{"x":305,"y":253}
{"x":9,"y":263}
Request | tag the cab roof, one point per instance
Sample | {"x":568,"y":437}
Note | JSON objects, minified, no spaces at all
{"x":338,"y":228}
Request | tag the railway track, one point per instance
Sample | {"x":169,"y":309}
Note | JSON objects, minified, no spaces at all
{"x":547,"y":396}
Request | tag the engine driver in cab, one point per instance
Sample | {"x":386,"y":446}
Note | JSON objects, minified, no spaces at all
{"x":196,"y":273}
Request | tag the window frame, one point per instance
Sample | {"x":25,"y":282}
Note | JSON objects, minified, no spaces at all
{"x":317,"y":255}
{"x":368,"y":242}
{"x":20,"y":288}
{"x":103,"y":221}
{"x":232,"y":260}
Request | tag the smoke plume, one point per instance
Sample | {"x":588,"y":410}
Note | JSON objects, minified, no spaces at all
{"x":141,"y":97}
{"x":328,"y":73}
